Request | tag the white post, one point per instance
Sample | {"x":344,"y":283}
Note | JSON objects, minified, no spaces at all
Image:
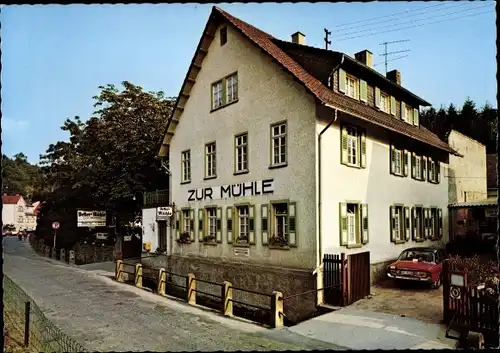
{"x":55,"y":231}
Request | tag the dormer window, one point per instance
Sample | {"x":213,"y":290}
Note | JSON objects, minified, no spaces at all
{"x":351,"y":87}
{"x":384,"y":102}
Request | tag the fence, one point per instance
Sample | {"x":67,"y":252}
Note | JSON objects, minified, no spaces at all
{"x":26,"y":326}
{"x":129,"y":272}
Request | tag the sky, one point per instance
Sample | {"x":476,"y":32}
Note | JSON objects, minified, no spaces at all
{"x":54,"y":57}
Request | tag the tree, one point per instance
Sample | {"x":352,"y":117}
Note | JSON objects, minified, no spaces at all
{"x":21,"y":177}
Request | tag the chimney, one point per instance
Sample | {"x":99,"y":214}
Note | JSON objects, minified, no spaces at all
{"x":299,"y":38}
{"x":394,"y":76}
{"x":365,"y":57}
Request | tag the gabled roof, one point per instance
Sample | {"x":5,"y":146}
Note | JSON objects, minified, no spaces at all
{"x":10,"y":199}
{"x":267,"y":43}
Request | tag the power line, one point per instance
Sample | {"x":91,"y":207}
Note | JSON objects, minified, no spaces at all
{"x":408,"y":27}
{"x":399,"y":57}
{"x":386,"y":54}
{"x":412,"y":21}
{"x":397,"y":13}
{"x":399,"y":17}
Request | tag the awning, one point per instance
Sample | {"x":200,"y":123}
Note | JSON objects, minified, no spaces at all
{"x":492,"y":202}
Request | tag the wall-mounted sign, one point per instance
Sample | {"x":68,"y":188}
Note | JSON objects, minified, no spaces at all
{"x":163,"y":213}
{"x":251,"y":188}
{"x":90,"y":218}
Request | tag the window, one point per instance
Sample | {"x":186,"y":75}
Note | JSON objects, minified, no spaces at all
{"x":210,"y":160}
{"x":418,"y":167}
{"x":351,"y":87}
{"x":418,"y":224}
{"x":241,"y":152}
{"x":243,"y":224}
{"x":280,"y":231}
{"x":186,"y":221}
{"x":434,"y":224}
{"x":217,"y":95}
{"x":20,"y":219}
{"x":397,"y":224}
{"x":223,"y":36}
{"x":211,"y":224}
{"x":232,"y":88}
{"x":353,"y":224}
{"x":409,"y":114}
{"x":278,"y":144}
{"x":399,"y":161}
{"x":186,"y":166}
{"x":384,"y":102}
{"x":433,"y":171}
{"x":352,"y":146}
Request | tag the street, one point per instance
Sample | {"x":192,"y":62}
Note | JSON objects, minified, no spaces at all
{"x":107,"y":316}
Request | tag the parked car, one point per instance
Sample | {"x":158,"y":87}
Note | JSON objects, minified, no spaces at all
{"x":423,"y":264}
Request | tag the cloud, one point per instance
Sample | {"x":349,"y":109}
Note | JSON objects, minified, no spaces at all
{"x":12,"y":127}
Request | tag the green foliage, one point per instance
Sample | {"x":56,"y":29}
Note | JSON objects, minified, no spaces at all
{"x":481,"y":125}
{"x":21,"y":177}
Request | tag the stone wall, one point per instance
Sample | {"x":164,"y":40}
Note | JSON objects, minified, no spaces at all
{"x":379,"y":271}
{"x":89,"y":253}
{"x":265,"y":279}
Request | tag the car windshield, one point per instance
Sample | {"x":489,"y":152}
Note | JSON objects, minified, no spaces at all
{"x":420,"y":255}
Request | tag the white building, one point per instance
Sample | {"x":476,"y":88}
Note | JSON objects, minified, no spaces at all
{"x":281,"y":153}
{"x":16,"y":212}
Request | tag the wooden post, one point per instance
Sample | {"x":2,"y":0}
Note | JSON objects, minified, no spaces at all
{"x":72,"y":257}
{"x":277,"y":315}
{"x":119,"y":271}
{"x":162,"y":282}
{"x":191,"y":289}
{"x":62,"y":257}
{"x":27,"y":323}
{"x":227,"y":296}
{"x":344,"y":280}
{"x":54,"y":253}
{"x":138,"y":275}
{"x":446,"y":291}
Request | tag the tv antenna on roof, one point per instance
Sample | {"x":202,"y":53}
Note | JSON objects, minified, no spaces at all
{"x":386,"y":54}
{"x":327,"y":33}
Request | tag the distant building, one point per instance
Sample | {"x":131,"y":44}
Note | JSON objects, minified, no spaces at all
{"x":492,"y":174}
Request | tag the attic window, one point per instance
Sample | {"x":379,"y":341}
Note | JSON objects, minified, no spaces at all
{"x":223,"y":36}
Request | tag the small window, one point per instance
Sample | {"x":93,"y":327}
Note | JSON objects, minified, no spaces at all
{"x":223,"y":36}
{"x":217,"y":95}
{"x":232,"y":88}
{"x":398,"y":161}
{"x":409,"y":115}
{"x":186,"y":166}
{"x":186,"y":221}
{"x":418,"y":167}
{"x":384,"y":102}
{"x":20,"y":208}
{"x":241,"y":152}
{"x":398,"y":224}
{"x":243,"y":230}
{"x":210,"y":160}
{"x":278,"y":144}
{"x":351,"y":87}
{"x":353,"y":236}
{"x":211,"y":224}
{"x":20,"y":219}
{"x":352,"y":146}
{"x":418,"y":224}
{"x":280,"y":232}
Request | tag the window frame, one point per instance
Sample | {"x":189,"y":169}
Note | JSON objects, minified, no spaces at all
{"x":185,"y":164}
{"x":237,"y":149}
{"x":355,"y":87}
{"x":356,"y":218}
{"x":398,"y":155}
{"x":238,"y":240}
{"x":234,"y":94}
{"x":188,"y":229}
{"x":419,"y":219}
{"x":286,"y":216}
{"x":399,"y":216}
{"x":357,"y":148}
{"x":224,"y":101}
{"x":434,"y":223}
{"x":208,"y":155}
{"x":273,"y":137}
{"x":207,"y":231}
{"x":387,"y":104}
{"x":20,"y":219}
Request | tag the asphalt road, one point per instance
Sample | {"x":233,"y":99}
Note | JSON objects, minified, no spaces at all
{"x":104,"y":315}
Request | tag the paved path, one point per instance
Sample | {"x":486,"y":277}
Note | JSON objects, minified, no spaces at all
{"x":361,"y":329}
{"x":108,"y":316}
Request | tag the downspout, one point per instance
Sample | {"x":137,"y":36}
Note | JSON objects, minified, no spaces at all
{"x":318,"y":227}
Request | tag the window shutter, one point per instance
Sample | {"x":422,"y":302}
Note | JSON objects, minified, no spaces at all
{"x":264,"y":214}
{"x":343,"y":157}
{"x":403,"y":112}
{"x":440,"y":223}
{"x":392,"y":216}
{"x":423,"y":164}
{"x":177,"y":224}
{"x":415,"y":117}
{"x":413,"y":162}
{"x":363,"y":148}
{"x":229,"y":224}
{"x":377,"y":97}
{"x":427,"y":224}
{"x":218,"y":226}
{"x":363,"y":93}
{"x":438,"y":172}
{"x":405,"y":163}
{"x":364,"y":220}
{"x":407,"y":224}
{"x":342,"y":79}
{"x":343,"y":223}
{"x":292,"y":226}
{"x":251,"y":224}
{"x":393,"y":106}
{"x":392,"y":156}
{"x":201,"y":216}
{"x":413,"y":223}
{"x":429,"y":176}
{"x":191,"y":224}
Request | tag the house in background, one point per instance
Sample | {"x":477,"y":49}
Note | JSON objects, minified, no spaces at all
{"x":281,"y":153}
{"x":492,"y":174}
{"x":13,"y":211}
{"x":31,"y":212}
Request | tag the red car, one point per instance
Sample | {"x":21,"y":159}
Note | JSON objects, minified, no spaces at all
{"x":418,"y":264}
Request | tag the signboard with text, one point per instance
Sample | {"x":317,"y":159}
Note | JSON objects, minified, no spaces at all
{"x":246,"y":189}
{"x":163,"y":213}
{"x":90,"y":218}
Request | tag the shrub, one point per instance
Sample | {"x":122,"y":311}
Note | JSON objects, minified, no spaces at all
{"x":478,"y":271}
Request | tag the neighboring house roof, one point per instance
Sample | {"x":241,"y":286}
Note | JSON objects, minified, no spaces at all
{"x":492,"y":170}
{"x":10,"y":199}
{"x":478,"y":203}
{"x":325,"y":95}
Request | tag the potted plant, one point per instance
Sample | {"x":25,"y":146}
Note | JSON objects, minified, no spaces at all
{"x":209,"y":239}
{"x":278,"y":241}
{"x":184,"y":238}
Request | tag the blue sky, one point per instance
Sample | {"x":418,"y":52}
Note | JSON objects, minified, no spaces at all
{"x":55,"y":57}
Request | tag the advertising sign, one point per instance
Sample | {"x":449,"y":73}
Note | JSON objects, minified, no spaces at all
{"x":91,"y":218}
{"x":163,"y":213}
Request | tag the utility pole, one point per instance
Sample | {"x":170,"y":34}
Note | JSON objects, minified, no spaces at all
{"x":327,"y":33}
{"x":386,"y":54}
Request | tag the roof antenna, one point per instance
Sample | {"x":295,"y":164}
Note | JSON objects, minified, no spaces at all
{"x":327,"y":33}
{"x":386,"y":54}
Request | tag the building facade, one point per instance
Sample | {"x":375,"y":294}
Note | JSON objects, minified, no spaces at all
{"x":17,"y":212}
{"x":281,"y":153}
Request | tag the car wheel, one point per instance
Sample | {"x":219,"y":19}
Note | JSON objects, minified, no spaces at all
{"x":436,"y":284}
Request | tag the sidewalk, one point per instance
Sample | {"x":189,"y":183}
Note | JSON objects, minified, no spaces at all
{"x":358,"y":329}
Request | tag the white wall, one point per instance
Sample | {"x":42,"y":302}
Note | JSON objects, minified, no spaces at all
{"x":266,"y":95}
{"x":376,"y":187}
{"x":9,"y":214}
{"x":150,"y":227}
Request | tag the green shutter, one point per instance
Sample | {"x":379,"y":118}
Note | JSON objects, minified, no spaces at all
{"x":364,"y":220}
{"x":405,"y":163}
{"x":363,"y":148}
{"x":218,"y":225}
{"x":403,"y":112}
{"x":423,"y":163}
{"x":392,"y":159}
{"x":377,"y":97}
{"x":342,"y":79}
{"x":393,"y":106}
{"x":177,"y":224}
{"x":363,"y":91}
{"x":229,"y":225}
{"x":391,"y":223}
{"x":440,"y":223}
{"x":438,"y":172}
{"x":413,"y":162}
{"x":343,"y":223}
{"x":343,"y":150}
{"x":292,"y":226}
{"x":429,"y":176}
{"x":414,"y":223}
{"x":415,"y":117}
{"x":407,"y":225}
{"x":264,"y":214}
{"x":201,"y":216}
{"x":251,"y":224}
{"x":191,"y":224}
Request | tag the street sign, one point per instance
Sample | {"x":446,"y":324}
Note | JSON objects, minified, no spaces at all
{"x":55,"y":225}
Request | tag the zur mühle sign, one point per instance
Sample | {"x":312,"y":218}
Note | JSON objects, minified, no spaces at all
{"x":90,"y":218}
{"x":251,"y":188}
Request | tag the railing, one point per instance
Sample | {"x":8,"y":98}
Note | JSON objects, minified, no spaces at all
{"x":156,"y":198}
